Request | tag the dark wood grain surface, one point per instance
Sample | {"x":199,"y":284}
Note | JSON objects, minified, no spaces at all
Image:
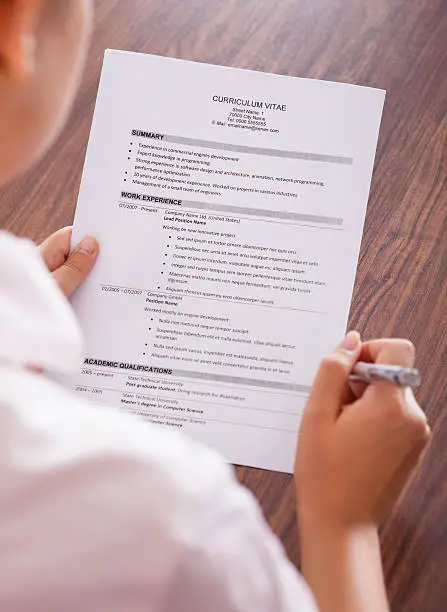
{"x":398,"y":45}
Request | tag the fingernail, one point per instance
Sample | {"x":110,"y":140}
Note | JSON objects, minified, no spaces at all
{"x":87,"y":246}
{"x":350,"y":341}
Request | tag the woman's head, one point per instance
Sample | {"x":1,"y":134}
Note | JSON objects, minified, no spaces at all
{"x":42,"y":50}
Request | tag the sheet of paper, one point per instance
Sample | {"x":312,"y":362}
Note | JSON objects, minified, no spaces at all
{"x":229,"y":205}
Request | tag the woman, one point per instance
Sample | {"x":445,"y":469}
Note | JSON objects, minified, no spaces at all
{"x":99,"y":511}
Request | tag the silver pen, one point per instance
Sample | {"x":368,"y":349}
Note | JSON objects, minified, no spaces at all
{"x":397,"y":375}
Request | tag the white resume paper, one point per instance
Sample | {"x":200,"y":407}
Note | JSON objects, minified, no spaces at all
{"x":229,"y":207}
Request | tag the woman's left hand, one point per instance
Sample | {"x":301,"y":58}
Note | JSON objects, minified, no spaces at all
{"x":69,"y":270}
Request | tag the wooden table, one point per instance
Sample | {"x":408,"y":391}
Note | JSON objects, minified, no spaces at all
{"x":398,"y":45}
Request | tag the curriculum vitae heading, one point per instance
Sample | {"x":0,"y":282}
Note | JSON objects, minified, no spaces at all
{"x":252,"y":103}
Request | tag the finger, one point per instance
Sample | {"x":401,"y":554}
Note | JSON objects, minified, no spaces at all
{"x":358,"y":388}
{"x":56,"y":248}
{"x":413,"y":457}
{"x":404,"y":472}
{"x":34,"y":369}
{"x":331,"y":385}
{"x":413,"y":410}
{"x":393,"y":351}
{"x":399,"y":406}
{"x":78,"y":265}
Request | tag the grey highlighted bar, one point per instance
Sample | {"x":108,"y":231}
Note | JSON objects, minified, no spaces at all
{"x":260,"y":212}
{"x":223,"y":146}
{"x":237,"y":380}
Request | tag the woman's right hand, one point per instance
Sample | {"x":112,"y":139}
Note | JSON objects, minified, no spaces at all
{"x":356,"y":453}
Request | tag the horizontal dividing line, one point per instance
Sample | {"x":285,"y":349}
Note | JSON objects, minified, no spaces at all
{"x":294,"y":431}
{"x":245,"y":218}
{"x":237,"y":380}
{"x":198,"y":382}
{"x":259,"y":212}
{"x":224,"y":146}
{"x":200,"y":297}
{"x":194,"y":401}
{"x":327,"y":228}
{"x":240,"y":380}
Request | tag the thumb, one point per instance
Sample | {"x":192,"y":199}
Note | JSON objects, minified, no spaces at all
{"x":330,"y":387}
{"x":77,"y":266}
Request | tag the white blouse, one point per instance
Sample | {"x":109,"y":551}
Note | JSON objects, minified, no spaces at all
{"x":100,"y":511}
